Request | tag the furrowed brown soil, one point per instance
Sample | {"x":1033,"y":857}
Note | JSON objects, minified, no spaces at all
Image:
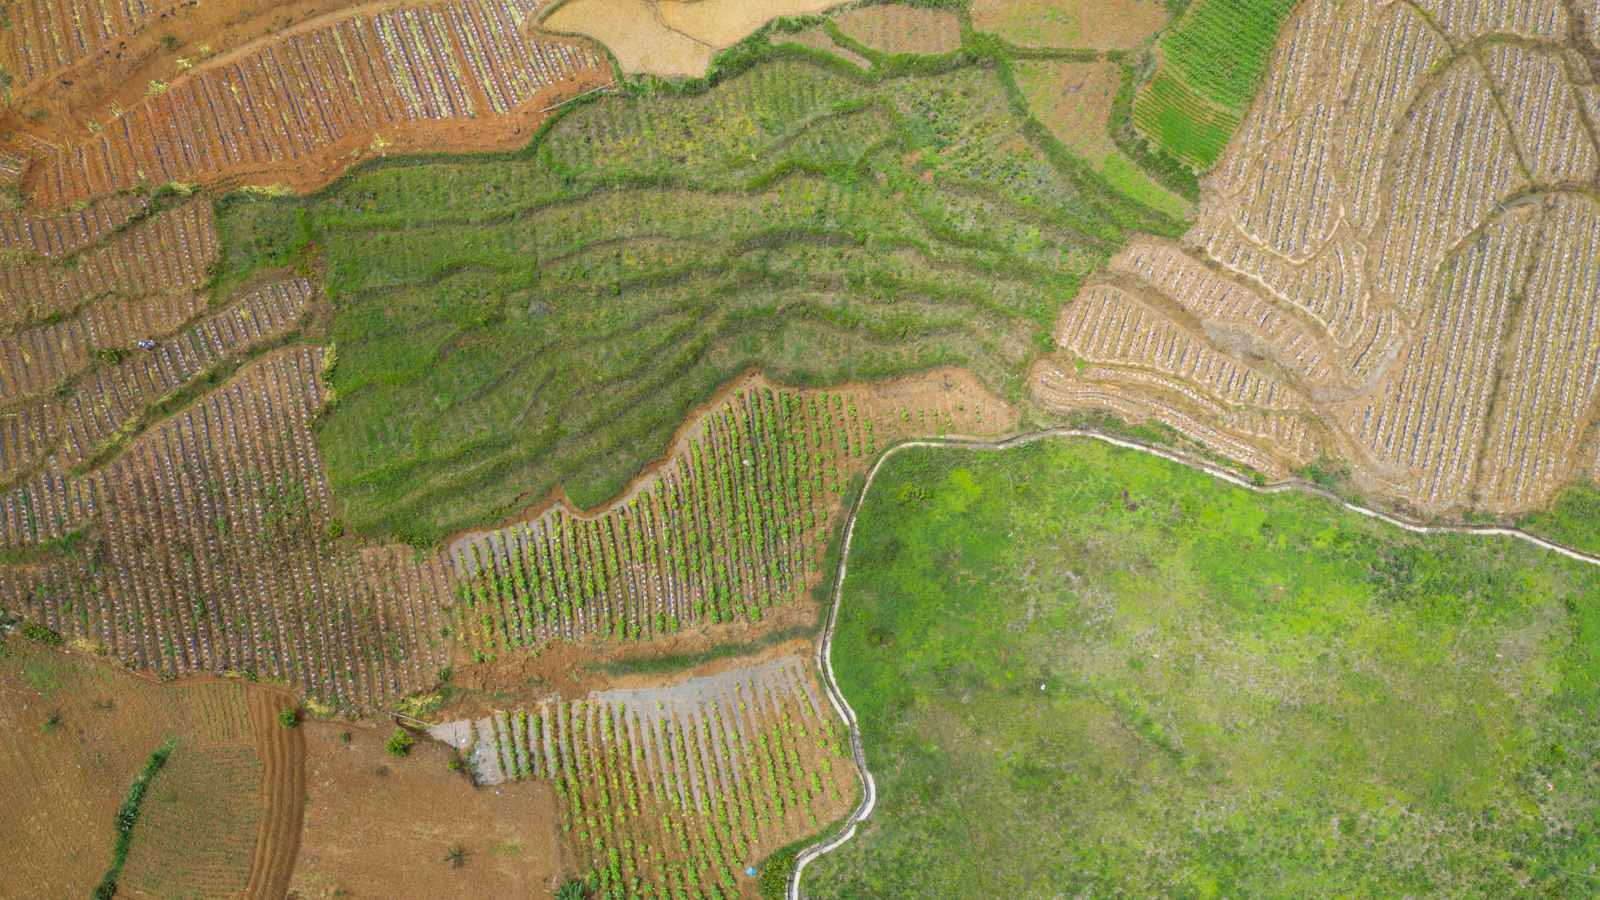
{"x":283,"y":789}
{"x":377,"y":826}
{"x":467,"y":76}
{"x":903,"y":29}
{"x":1091,"y":24}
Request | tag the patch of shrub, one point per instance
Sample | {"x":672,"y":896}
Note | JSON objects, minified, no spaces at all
{"x":399,"y":743}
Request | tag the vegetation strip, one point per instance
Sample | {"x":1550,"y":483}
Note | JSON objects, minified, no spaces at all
{"x":825,"y":645}
{"x":128,"y":816}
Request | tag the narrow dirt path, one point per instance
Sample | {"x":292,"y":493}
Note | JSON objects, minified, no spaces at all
{"x":283,"y":784}
{"x":869,"y":794}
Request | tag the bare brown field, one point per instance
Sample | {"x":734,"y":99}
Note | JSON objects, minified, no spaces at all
{"x":376,"y":826}
{"x":295,"y":109}
{"x":79,"y":730}
{"x":1409,"y":303}
{"x":634,"y":31}
{"x":282,"y":796}
{"x":893,"y":29}
{"x":1090,"y":24}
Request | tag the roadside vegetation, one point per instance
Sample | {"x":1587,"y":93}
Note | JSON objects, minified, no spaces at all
{"x":1085,"y":671}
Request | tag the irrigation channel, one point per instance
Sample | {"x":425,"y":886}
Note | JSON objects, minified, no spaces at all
{"x":869,"y":795}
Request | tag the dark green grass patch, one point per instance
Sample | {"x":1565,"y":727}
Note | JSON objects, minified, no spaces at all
{"x":1223,"y":47}
{"x":1573,"y":519}
{"x":1181,"y":122}
{"x":509,"y":324}
{"x":1083,"y":671}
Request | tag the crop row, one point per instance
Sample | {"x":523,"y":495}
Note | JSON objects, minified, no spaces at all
{"x":1432,"y":414}
{"x":1106,"y":325}
{"x":297,"y":96}
{"x":1205,"y":294}
{"x":1329,"y":287}
{"x":1393,"y":70}
{"x":65,"y":232}
{"x":27,"y":433}
{"x":95,"y":414}
{"x":1432,"y":207}
{"x":38,"y":360}
{"x":1181,"y":121}
{"x":676,"y":789}
{"x":163,"y":254}
{"x":1544,"y":112}
{"x":42,"y":36}
{"x":1544,"y":19}
{"x":198,"y":838}
{"x":212,"y":712}
{"x":728,"y":531}
{"x":1222,"y":47}
{"x":211,"y":552}
{"x":1551,"y":378}
{"x":1065,"y":393}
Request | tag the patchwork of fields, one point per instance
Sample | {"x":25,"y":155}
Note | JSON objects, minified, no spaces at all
{"x":439,"y":357}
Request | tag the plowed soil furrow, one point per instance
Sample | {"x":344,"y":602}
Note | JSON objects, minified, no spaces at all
{"x":283,"y":784}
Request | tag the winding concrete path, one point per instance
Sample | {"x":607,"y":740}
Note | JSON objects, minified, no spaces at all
{"x":869,"y":794}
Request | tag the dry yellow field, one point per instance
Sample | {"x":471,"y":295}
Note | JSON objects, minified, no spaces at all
{"x":667,"y":37}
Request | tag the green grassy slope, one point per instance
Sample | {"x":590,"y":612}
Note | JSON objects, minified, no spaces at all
{"x":1082,"y":671}
{"x":508,"y":324}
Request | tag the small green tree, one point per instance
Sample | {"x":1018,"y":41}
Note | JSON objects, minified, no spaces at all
{"x":399,"y":743}
{"x":573,"y":889}
{"x":289,"y":718}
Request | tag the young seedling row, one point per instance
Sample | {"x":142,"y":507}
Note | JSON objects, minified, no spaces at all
{"x":64,"y":232}
{"x":667,"y":793}
{"x":731,"y":529}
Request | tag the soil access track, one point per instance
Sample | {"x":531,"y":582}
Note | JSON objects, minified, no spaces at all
{"x":825,"y":646}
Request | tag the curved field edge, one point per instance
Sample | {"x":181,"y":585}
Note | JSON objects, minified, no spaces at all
{"x":1209,"y":63}
{"x":449,"y":473}
{"x":841,"y":705}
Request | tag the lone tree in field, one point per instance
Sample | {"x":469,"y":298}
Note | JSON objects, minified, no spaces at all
{"x":289,"y":717}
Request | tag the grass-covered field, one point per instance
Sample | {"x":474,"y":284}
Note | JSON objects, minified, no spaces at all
{"x":508,"y":324}
{"x":1082,"y":671}
{"x":1212,"y":59}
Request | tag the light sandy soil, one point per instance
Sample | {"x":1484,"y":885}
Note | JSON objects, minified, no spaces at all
{"x":670,"y":38}
{"x":723,"y":23}
{"x":635,"y":33}
{"x":377,"y":826}
{"x":1091,"y":24}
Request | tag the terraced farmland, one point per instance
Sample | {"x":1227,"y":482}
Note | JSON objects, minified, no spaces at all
{"x":820,"y":226}
{"x":1401,"y":246}
{"x":733,"y":526}
{"x":675,"y":790}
